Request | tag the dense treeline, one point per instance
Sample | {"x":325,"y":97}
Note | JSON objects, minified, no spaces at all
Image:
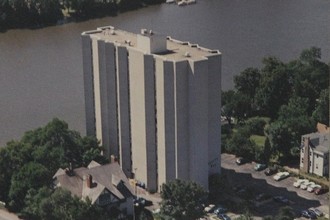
{"x":27,"y":167}
{"x":39,"y":13}
{"x":281,"y":101}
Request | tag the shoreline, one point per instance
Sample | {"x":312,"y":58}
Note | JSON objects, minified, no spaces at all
{"x":70,"y":16}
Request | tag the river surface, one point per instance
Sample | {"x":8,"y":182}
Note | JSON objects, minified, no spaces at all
{"x":41,"y":70}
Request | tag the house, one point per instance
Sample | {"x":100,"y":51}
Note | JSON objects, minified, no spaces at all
{"x":314,"y":153}
{"x":104,"y":185}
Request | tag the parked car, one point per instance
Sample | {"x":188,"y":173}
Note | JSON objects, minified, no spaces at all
{"x":139,"y":201}
{"x":281,"y":199}
{"x":260,"y":166}
{"x":320,"y":191}
{"x":224,"y":217}
{"x":313,"y":187}
{"x":209,"y":209}
{"x":270,"y":171}
{"x":241,"y":161}
{"x":308,"y":214}
{"x":304,"y":186}
{"x":316,"y":211}
{"x":281,"y":175}
{"x":219,"y":210}
{"x":299,"y":182}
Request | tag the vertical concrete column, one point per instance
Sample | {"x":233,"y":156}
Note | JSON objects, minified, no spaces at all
{"x":124,"y":136}
{"x":102,"y":82}
{"x":198,"y":121}
{"x":97,"y":90}
{"x":165,"y":125}
{"x":111,"y":98}
{"x":88,"y":84}
{"x":181,"y":107}
{"x":214,"y":107}
{"x":142,"y":111}
{"x":150,"y":115}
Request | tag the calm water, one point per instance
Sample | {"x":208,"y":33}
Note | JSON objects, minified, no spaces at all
{"x":41,"y":70}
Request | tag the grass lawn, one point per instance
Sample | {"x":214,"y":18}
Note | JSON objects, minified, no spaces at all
{"x":259,"y":139}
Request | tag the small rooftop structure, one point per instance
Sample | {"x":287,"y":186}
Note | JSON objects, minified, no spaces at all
{"x":152,"y":42}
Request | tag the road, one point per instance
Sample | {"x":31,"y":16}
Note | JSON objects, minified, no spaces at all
{"x":260,"y":183}
{"x":5,"y":215}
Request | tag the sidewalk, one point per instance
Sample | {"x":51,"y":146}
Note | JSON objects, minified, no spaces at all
{"x":5,"y":215}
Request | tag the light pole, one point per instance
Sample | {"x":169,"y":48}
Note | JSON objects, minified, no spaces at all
{"x":135,"y":181}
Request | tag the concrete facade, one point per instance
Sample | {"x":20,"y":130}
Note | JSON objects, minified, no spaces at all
{"x":154,"y":102}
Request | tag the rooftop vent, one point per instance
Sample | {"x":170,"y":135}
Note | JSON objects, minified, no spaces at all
{"x":112,"y":32}
{"x":128,"y":42}
{"x":144,"y":31}
{"x":187,"y":54}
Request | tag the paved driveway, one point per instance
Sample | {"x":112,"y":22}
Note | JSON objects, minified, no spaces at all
{"x":247,"y":176}
{"x":5,"y":215}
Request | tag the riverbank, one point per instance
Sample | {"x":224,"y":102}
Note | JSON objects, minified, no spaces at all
{"x":38,"y":15}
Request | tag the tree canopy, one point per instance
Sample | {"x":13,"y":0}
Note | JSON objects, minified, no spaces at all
{"x":182,"y":200}
{"x":31,"y":162}
{"x":293,"y":95}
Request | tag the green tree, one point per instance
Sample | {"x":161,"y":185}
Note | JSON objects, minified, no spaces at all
{"x":321,"y":112}
{"x":256,"y":125}
{"x":41,"y":152}
{"x":285,"y":213}
{"x":285,"y":133}
{"x":275,"y":87}
{"x":227,"y":109}
{"x":247,"y":82}
{"x":235,"y":104}
{"x":240,"y":144}
{"x":31,"y":176}
{"x":182,"y":200}
{"x":43,"y":204}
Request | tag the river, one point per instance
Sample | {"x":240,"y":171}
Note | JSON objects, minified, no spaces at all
{"x":41,"y":70}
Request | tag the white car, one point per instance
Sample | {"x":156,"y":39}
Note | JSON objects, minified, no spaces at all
{"x":281,"y":175}
{"x":306,"y":185}
{"x":210,"y":208}
{"x":299,"y":182}
{"x":313,"y":187}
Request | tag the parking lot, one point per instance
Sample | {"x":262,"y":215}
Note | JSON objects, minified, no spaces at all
{"x":245,"y":176}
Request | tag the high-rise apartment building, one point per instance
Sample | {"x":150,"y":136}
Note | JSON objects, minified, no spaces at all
{"x":154,"y":102}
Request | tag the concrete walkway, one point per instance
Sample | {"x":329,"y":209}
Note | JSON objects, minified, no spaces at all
{"x":5,"y":215}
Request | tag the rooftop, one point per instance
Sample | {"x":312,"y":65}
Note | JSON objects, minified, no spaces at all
{"x":175,"y":50}
{"x":105,"y":177}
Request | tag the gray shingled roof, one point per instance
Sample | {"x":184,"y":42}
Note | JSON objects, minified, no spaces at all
{"x":103,"y":178}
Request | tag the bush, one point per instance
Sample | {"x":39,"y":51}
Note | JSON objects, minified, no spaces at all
{"x":256,"y":125}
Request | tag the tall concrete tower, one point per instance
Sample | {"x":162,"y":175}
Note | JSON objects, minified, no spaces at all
{"x":154,"y":102}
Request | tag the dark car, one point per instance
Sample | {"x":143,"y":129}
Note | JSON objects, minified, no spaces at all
{"x":241,"y":161}
{"x":308,"y":214}
{"x":219,"y":210}
{"x":260,"y":166}
{"x":270,"y":171}
{"x":281,"y":199}
{"x":320,"y":191}
{"x":224,"y":217}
